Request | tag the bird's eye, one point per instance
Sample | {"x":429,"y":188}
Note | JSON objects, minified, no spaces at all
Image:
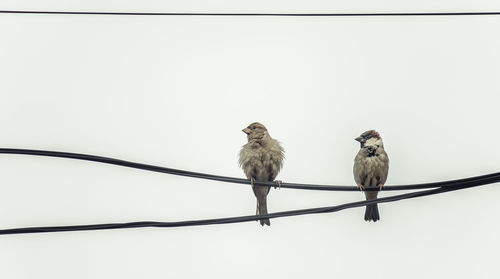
{"x":252,"y":127}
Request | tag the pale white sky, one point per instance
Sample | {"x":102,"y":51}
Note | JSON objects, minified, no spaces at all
{"x":176,"y":91}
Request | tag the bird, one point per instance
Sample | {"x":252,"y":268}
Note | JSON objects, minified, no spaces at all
{"x":261,"y":158}
{"x":371,"y":166}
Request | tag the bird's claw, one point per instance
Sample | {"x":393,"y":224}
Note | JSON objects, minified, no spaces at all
{"x":380,"y":186}
{"x":278,"y":184}
{"x":360,"y":187}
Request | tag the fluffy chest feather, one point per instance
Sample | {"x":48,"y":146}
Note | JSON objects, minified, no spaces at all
{"x":373,"y":165}
{"x":371,"y":170}
{"x":262,"y":162}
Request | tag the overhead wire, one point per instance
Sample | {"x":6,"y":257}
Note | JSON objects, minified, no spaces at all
{"x":154,"y":168}
{"x":478,"y":13}
{"x":440,"y":187}
{"x":241,"y":219}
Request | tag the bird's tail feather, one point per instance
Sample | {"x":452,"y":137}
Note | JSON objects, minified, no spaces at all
{"x":371,"y":213}
{"x":262,"y":209}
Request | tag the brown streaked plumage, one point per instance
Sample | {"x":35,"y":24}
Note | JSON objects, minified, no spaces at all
{"x":371,"y":166}
{"x":261,"y":159}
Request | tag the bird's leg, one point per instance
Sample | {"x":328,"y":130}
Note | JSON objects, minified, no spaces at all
{"x":380,"y":186}
{"x":252,"y":180}
{"x":361,"y":188}
{"x":278,"y":183}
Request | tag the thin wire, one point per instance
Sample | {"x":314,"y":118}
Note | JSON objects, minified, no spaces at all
{"x":241,"y":219}
{"x":495,"y":177}
{"x":251,"y":14}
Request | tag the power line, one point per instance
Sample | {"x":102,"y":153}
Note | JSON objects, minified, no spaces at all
{"x":251,"y":14}
{"x":445,"y":187}
{"x":240,"y":219}
{"x":495,"y":177}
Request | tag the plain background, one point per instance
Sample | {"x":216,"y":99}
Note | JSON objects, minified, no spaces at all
{"x":176,"y":91}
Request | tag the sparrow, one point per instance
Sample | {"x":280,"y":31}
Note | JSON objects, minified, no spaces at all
{"x":261,"y":159}
{"x":371,"y":166}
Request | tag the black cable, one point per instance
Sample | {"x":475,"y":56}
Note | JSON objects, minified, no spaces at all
{"x":253,"y":14}
{"x":246,"y":218}
{"x":112,"y":161}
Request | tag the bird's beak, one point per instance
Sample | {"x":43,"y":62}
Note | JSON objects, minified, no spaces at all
{"x":358,"y":139}
{"x":246,"y":131}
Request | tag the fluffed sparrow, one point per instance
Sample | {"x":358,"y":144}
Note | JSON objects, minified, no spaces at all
{"x":261,"y":159}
